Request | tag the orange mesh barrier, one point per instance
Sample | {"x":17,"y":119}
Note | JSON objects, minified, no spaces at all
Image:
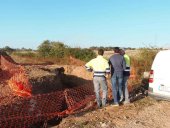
{"x":30,"y":109}
{"x":18,"y":81}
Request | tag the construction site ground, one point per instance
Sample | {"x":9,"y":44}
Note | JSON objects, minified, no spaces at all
{"x":143,"y":113}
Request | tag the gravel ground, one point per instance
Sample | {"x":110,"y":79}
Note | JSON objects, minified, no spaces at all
{"x":144,"y":113}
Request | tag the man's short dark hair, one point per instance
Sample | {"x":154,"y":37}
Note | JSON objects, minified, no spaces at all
{"x":100,"y":51}
{"x":116,"y":50}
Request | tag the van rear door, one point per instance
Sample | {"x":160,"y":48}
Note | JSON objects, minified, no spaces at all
{"x":161,"y":67}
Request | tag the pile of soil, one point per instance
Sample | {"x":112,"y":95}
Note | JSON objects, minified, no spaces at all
{"x":43,"y":79}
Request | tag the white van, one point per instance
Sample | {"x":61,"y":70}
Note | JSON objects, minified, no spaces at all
{"x":159,"y":80}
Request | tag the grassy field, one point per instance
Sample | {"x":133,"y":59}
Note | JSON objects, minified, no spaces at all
{"x":107,"y":54}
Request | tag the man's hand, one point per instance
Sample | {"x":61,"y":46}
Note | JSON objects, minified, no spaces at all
{"x":107,"y":76}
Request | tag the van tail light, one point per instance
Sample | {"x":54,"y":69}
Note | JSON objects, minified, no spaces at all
{"x":151,"y":76}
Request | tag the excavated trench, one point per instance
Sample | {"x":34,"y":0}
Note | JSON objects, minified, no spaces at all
{"x":52,"y":93}
{"x":44,"y":80}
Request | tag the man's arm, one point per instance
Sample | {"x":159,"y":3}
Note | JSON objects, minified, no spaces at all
{"x":107,"y":69}
{"x":89,"y":66}
{"x":124,"y":64}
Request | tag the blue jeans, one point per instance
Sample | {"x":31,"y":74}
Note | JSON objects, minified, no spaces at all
{"x":125,"y":88}
{"x":117,"y":81}
{"x":100,"y":82}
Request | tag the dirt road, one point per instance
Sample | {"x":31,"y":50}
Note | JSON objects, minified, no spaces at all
{"x":144,"y":113}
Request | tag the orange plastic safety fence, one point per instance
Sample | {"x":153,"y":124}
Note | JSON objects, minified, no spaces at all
{"x":18,"y":80}
{"x":39,"y":108}
{"x":43,"y":107}
{"x":32,"y":110}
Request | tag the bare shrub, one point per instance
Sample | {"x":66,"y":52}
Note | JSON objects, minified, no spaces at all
{"x":142,"y":62}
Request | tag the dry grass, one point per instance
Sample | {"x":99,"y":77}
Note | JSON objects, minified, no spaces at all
{"x":132,"y":53}
{"x":47,"y":61}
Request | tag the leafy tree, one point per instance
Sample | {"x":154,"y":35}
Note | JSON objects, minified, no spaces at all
{"x":57,"y":49}
{"x":8,"y":49}
{"x":45,"y":48}
{"x":60,"y":50}
{"x":52,"y":49}
{"x":82,"y":54}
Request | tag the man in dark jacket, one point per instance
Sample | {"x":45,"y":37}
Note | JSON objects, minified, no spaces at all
{"x":118,"y":65}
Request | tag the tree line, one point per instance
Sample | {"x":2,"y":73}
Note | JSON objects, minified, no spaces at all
{"x":59,"y":50}
{"x":53,"y":49}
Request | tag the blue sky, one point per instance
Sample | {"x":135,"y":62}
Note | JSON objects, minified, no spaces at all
{"x":85,"y":23}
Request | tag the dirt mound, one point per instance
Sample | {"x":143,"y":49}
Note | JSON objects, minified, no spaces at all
{"x":43,"y":80}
